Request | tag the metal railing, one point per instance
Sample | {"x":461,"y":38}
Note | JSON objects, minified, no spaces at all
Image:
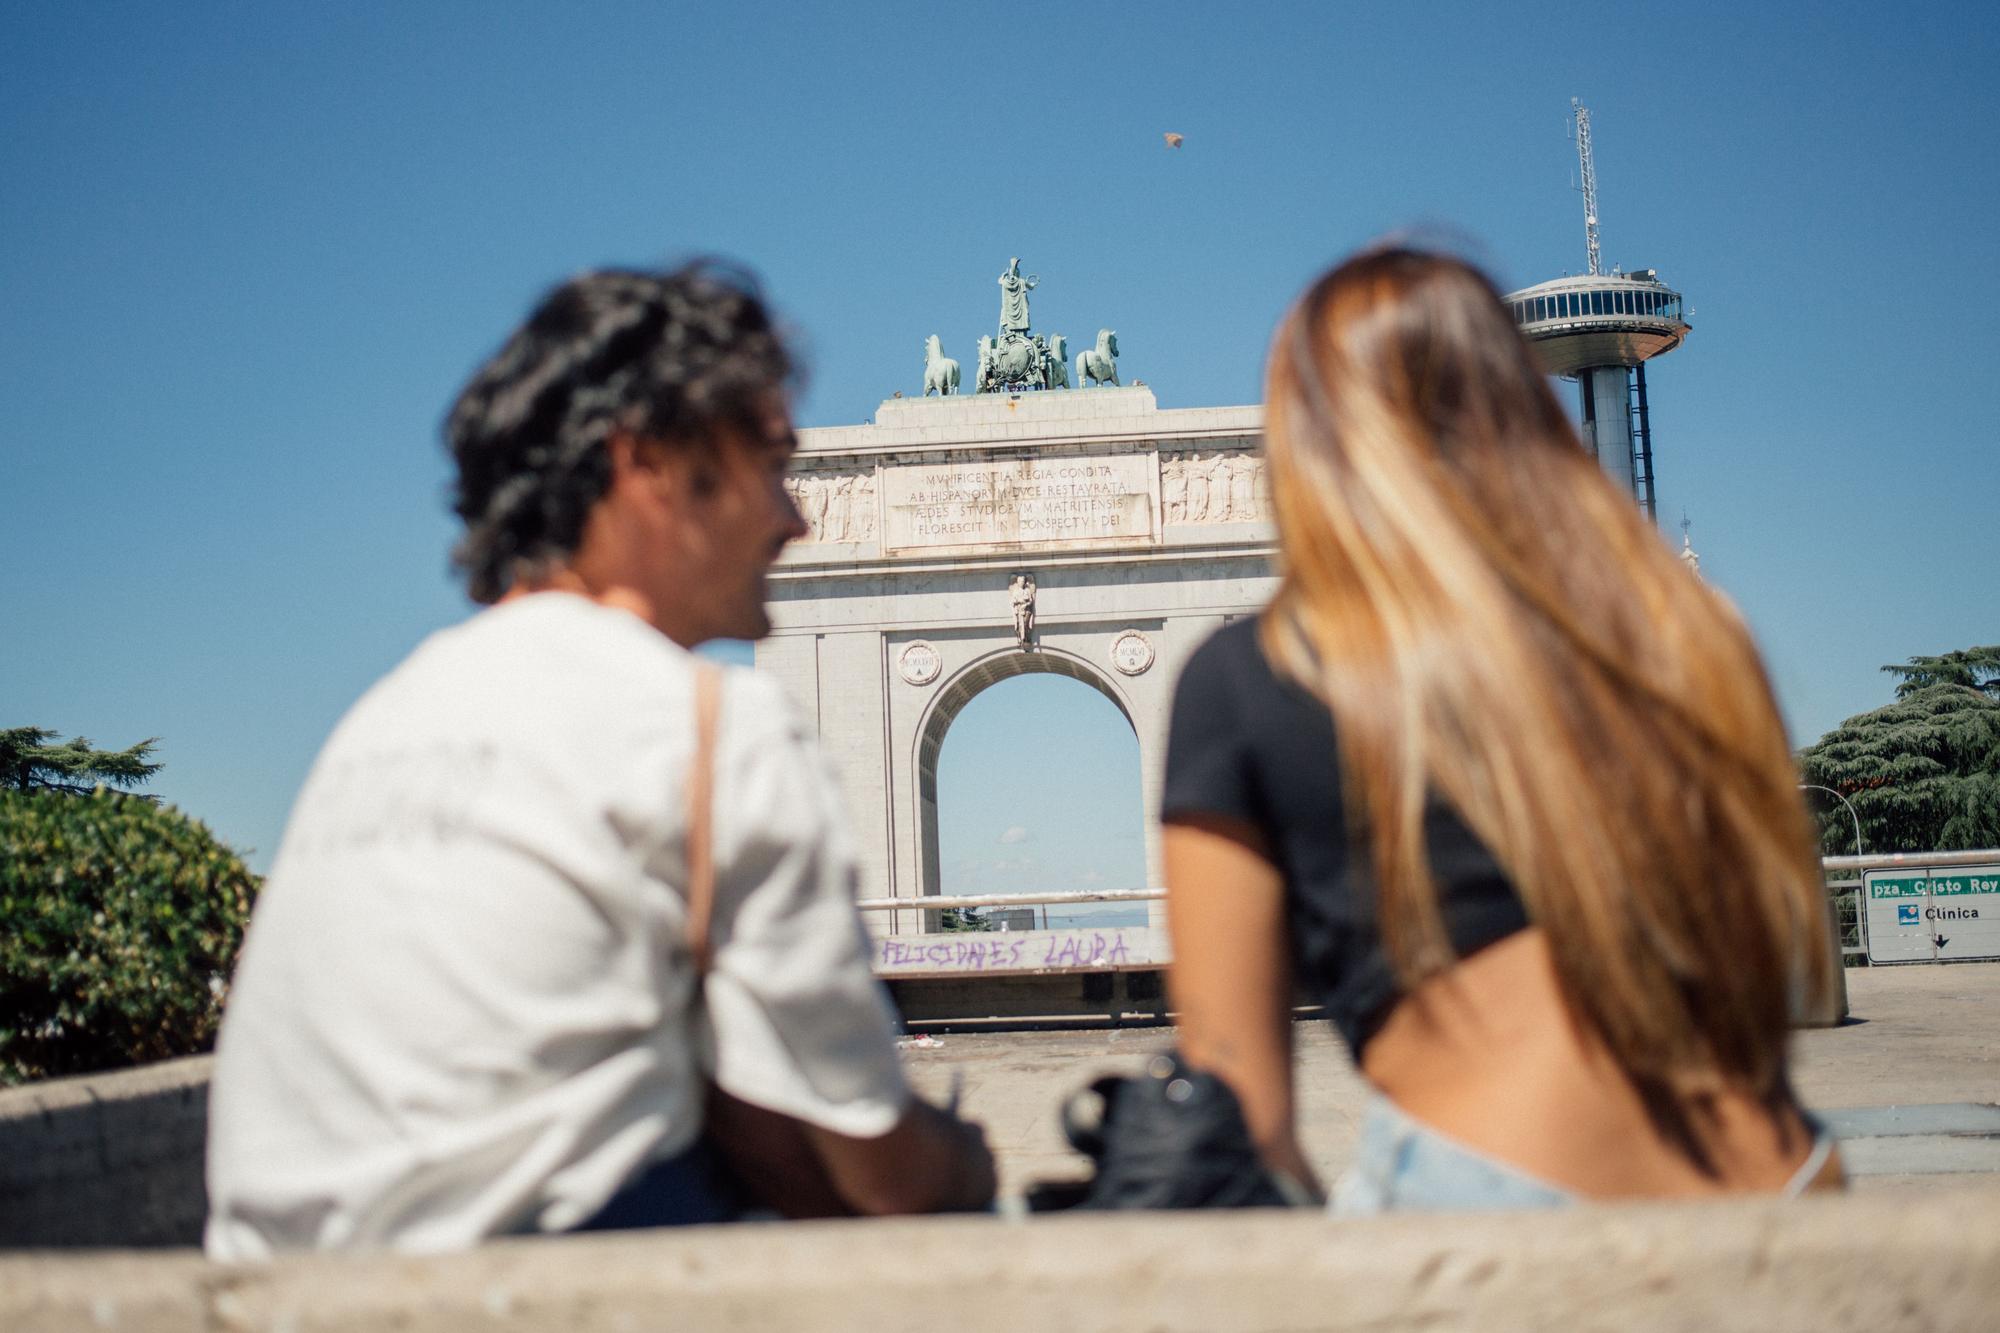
{"x":1829,"y":864}
{"x":1846,"y":896}
{"x":959,"y":902}
{"x":1911,"y":860}
{"x":942,"y":903}
{"x":1842,"y":879}
{"x":1846,"y":891}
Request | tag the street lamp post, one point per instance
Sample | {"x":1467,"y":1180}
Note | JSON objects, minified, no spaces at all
{"x":1814,"y":786}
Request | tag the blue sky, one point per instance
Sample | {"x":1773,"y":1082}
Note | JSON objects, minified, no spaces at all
{"x":251,"y":251}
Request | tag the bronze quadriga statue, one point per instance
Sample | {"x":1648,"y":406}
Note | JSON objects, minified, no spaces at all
{"x":1015,"y":359}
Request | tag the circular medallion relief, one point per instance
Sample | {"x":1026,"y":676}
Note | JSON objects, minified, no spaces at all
{"x":919,"y":663}
{"x":1131,"y":652}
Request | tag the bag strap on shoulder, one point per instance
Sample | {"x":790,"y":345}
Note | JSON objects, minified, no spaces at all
{"x":701,"y":815}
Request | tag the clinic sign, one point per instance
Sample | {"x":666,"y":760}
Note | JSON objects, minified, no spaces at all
{"x":1924,"y":916}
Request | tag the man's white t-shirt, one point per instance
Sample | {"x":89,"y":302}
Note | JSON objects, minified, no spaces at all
{"x":466,"y":1005}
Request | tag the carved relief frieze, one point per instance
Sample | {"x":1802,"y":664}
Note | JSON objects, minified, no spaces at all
{"x":1228,"y":486}
{"x":838,"y":506}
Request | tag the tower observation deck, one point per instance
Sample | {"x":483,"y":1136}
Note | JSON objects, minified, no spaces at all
{"x":1600,"y":329}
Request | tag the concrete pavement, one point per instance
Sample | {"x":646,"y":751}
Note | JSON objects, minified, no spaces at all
{"x":1918,"y":1036}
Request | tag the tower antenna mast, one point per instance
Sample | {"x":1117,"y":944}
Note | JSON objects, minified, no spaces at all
{"x":1582,"y":113}
{"x":1600,"y":329}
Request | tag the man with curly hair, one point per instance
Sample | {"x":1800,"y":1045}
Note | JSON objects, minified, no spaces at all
{"x":470,"y":1002}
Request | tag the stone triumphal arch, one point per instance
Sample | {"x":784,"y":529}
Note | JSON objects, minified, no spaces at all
{"x":960,"y":540}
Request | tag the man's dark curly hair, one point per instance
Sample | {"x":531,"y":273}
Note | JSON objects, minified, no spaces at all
{"x":676,"y":357}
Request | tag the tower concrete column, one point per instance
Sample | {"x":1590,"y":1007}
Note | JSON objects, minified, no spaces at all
{"x":1608,"y":388}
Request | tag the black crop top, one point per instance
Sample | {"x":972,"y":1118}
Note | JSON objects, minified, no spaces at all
{"x":1251,"y":745}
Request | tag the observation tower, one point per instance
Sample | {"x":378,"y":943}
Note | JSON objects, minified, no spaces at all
{"x":1600,"y":329}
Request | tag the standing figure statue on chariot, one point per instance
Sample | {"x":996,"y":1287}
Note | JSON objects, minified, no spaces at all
{"x":1017,"y":359}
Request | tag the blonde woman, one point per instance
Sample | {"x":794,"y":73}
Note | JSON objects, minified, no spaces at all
{"x":1494,"y":780}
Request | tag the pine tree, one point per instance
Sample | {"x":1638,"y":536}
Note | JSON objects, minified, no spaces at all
{"x":1974,"y":668}
{"x":1922,"y":773}
{"x":30,"y":761}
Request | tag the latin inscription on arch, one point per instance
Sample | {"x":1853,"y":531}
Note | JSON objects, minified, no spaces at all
{"x":1099,"y":501}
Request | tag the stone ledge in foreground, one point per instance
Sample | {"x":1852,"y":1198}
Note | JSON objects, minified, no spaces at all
{"x":1856,"y":1262}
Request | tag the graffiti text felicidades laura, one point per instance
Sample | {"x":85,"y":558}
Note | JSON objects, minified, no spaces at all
{"x":1029,"y":951}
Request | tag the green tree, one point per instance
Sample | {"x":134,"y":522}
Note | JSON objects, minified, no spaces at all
{"x":31,"y":761}
{"x":1923,"y":773}
{"x":119,"y":921}
{"x":1974,"y":668}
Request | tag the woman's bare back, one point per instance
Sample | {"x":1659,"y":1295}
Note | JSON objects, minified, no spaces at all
{"x":1489,"y":1055}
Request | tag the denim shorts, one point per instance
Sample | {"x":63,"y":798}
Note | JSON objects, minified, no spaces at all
{"x":1402,"y":1164}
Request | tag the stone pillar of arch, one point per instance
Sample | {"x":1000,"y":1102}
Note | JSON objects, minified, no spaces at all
{"x":1145,"y":530}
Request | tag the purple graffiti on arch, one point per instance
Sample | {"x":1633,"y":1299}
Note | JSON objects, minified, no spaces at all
{"x":1007,"y":952}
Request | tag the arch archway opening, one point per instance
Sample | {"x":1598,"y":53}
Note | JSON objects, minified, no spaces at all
{"x":1029,"y":781}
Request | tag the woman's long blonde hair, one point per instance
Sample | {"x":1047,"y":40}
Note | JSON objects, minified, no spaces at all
{"x":1489,"y":618}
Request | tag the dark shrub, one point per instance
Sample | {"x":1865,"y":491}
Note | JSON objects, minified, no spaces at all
{"x":119,"y":921}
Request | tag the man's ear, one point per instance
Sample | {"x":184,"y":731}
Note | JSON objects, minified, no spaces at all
{"x":629,"y":458}
{"x":643,"y":472}
{"x":678,"y":474}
